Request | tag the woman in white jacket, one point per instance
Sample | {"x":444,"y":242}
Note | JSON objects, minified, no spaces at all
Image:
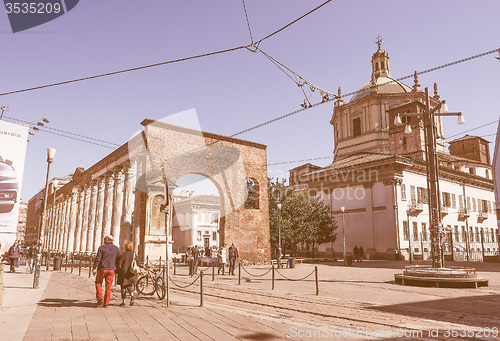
{"x":222,"y":259}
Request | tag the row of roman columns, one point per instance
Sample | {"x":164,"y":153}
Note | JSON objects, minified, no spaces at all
{"x":78,"y":222}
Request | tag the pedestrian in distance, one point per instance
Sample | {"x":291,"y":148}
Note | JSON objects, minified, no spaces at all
{"x":104,"y":269}
{"x":361,"y":254}
{"x":233,"y":256}
{"x":189,"y":258}
{"x":279,"y":256}
{"x":127,"y":278}
{"x":32,"y":252}
{"x":356,"y":252}
{"x":196,"y":259}
{"x":222,"y":259}
{"x":14,"y":254}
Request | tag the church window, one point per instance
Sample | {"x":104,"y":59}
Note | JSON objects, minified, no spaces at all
{"x":356,"y":126}
{"x":457,"y":236}
{"x":403,"y":192}
{"x":453,"y":201}
{"x":252,"y":192}
{"x":415,"y":231}
{"x":422,"y":196}
{"x":412,"y":193}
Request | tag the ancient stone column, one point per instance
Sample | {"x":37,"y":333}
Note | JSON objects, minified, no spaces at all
{"x":108,"y":206}
{"x":70,"y":244}
{"x":117,"y":207}
{"x":99,"y":213}
{"x":60,"y":231}
{"x":92,"y":215}
{"x":85,"y":223}
{"x":64,"y":227}
{"x":128,"y":204}
{"x":79,"y":220}
{"x":57,"y":215}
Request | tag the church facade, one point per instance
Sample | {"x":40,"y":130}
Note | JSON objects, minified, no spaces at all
{"x":377,"y":184}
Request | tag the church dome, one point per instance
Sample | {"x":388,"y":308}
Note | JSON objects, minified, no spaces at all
{"x":384,"y":85}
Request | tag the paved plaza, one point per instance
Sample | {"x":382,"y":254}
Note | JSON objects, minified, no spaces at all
{"x":356,"y":303}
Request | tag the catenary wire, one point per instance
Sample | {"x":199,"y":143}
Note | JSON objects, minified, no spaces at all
{"x":126,"y":70}
{"x":484,"y":125}
{"x":248,"y":22}
{"x":60,"y":130}
{"x":293,"y":22}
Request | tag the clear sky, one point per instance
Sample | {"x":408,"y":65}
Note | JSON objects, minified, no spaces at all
{"x":230,"y":92}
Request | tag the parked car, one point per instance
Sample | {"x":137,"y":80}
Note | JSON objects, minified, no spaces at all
{"x":8,"y":186}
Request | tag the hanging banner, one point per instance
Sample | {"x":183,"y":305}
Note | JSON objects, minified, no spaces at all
{"x":13,"y":141}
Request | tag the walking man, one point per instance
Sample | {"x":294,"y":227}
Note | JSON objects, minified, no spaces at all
{"x":233,"y":255}
{"x":280,"y":255}
{"x":104,"y":266}
{"x":32,"y":251}
{"x":356,"y":253}
{"x":14,"y":254}
{"x":196,"y":259}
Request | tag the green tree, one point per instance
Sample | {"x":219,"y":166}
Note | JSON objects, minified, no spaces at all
{"x":301,"y":219}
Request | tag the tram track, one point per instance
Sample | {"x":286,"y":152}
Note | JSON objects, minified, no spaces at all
{"x":312,"y":310}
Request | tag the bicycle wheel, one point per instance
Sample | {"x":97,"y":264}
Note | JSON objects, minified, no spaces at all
{"x":160,"y":288}
{"x":145,"y":285}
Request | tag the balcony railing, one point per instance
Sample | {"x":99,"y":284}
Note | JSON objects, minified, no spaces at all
{"x":415,"y":207}
{"x":463,"y":214}
{"x":482,"y":216}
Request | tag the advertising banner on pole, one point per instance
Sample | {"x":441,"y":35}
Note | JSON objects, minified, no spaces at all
{"x":13,"y":142}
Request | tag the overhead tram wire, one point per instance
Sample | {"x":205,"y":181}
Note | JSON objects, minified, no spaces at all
{"x":250,"y":47}
{"x":125,"y":70}
{"x":248,"y":22}
{"x":47,"y":129}
{"x":481,"y":126}
{"x":354,"y":92}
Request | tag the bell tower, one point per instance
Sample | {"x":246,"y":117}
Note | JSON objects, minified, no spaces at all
{"x":380,"y":62}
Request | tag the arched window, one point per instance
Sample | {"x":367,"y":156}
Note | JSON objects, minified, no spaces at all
{"x":252,"y":193}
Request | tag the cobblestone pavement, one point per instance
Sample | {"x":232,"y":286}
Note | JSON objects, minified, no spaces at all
{"x":356,"y":303}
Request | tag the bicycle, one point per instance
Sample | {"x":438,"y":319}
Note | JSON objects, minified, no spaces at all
{"x":150,"y":282}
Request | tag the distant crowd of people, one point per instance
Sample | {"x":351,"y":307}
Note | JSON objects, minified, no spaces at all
{"x":194,"y":255}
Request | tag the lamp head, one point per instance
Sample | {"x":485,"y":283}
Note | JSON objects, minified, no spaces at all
{"x":408,"y":129}
{"x":444,"y":108}
{"x":50,"y":154}
{"x":342,"y":209}
{"x":460,"y":119}
{"x":397,"y":120}
{"x":4,"y":108}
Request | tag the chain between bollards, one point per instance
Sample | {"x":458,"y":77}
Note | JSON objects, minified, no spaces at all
{"x":272,"y":265}
{"x":316,"y":275}
{"x":201,"y":288}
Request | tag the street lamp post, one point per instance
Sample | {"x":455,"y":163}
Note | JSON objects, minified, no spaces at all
{"x":342,"y":209}
{"x":279,"y":225}
{"x":433,"y":169}
{"x":41,"y":231}
{"x":409,"y":233}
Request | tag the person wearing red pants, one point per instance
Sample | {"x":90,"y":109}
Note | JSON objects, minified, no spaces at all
{"x":104,"y":269}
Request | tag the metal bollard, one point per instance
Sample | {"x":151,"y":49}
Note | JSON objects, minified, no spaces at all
{"x":80,"y":266}
{"x":48,"y":261}
{"x":239,"y":273}
{"x":213,"y":271}
{"x":201,"y":288}
{"x":272,"y":265}
{"x":66,"y":262}
{"x":175,"y":267}
{"x":316,"y":275}
{"x":91,"y":265}
{"x":72,"y":262}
